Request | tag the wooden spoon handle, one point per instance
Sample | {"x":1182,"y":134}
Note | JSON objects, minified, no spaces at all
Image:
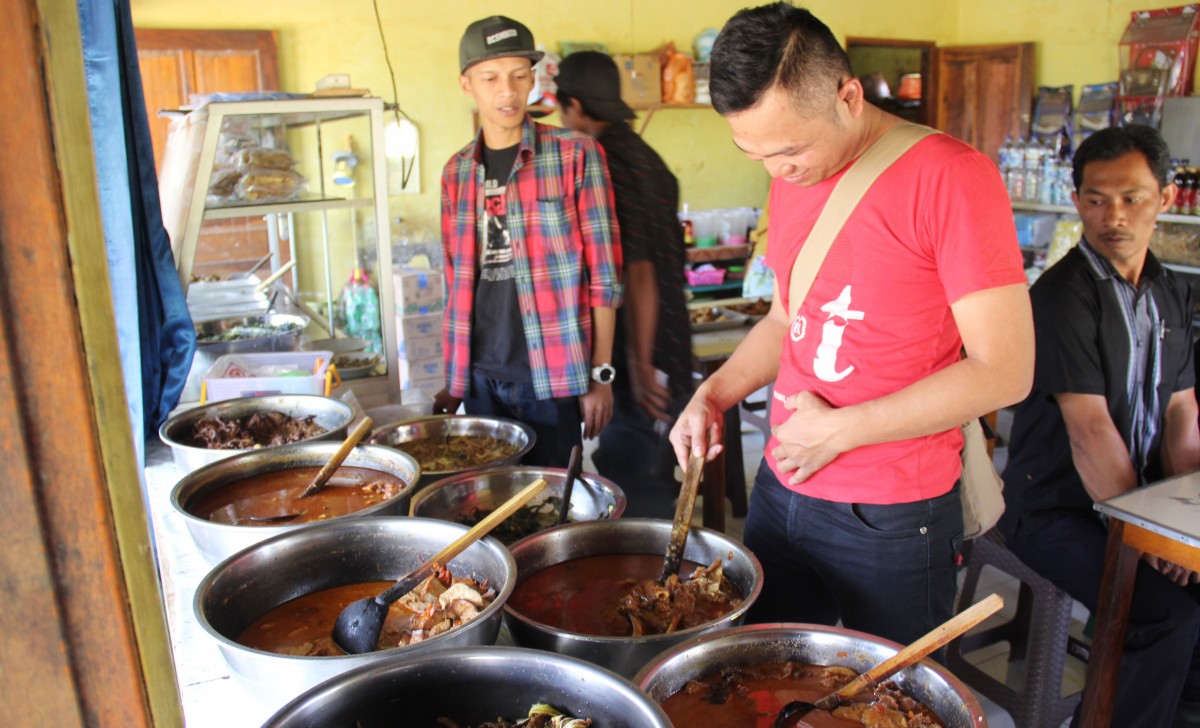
{"x":274,"y":276}
{"x":940,"y":635}
{"x":683,"y":517}
{"x":335,"y":462}
{"x":409,"y":582}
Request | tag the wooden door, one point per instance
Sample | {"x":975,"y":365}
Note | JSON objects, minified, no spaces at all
{"x":983,"y":93}
{"x":176,"y":64}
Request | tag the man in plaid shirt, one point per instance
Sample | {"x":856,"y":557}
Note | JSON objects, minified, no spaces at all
{"x":532,"y":258}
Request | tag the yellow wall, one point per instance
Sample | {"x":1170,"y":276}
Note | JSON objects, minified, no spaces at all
{"x":1076,"y":43}
{"x":317,"y":37}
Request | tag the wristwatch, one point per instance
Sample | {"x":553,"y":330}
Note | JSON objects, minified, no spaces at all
{"x":604,"y":374}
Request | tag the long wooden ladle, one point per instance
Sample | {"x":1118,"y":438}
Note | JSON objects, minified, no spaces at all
{"x":326,"y":472}
{"x":940,"y":635}
{"x":683,"y":517}
{"x":358,"y":626}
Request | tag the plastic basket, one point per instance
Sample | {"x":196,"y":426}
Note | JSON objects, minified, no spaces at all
{"x":234,"y":375}
{"x":711,"y":277}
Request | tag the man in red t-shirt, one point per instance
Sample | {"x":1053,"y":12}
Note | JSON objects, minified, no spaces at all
{"x":855,"y":513}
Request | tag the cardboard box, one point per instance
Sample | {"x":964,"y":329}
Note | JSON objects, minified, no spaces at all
{"x":417,"y":290}
{"x":641,"y":79}
{"x":422,"y":373}
{"x":420,"y":347}
{"x":411,"y":327}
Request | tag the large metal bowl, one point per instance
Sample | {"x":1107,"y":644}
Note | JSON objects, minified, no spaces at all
{"x":218,"y":541}
{"x":470,"y":685}
{"x":438,"y":426}
{"x":282,"y":332}
{"x":705,"y":654}
{"x":335,"y":416}
{"x":250,"y":583}
{"x":625,"y":655}
{"x":593,"y":497}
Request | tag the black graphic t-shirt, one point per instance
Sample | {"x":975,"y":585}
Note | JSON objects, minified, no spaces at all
{"x":497,"y":337}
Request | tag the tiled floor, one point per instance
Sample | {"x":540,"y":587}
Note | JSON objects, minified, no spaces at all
{"x":993,"y":659}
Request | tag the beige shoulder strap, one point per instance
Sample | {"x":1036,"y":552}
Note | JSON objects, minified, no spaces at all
{"x":842,"y":201}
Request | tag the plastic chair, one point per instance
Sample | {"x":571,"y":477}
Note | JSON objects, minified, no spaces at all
{"x":1037,"y":635}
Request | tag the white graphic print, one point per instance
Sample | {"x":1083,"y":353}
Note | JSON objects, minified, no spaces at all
{"x":840,"y":315}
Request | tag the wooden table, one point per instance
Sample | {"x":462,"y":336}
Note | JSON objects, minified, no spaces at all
{"x":725,"y":475}
{"x":1161,"y":519}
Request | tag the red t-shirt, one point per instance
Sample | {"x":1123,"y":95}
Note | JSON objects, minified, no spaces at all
{"x":934,"y":227}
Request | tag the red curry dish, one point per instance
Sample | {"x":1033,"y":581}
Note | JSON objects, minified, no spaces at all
{"x":304,"y":626}
{"x":750,"y":696}
{"x":247,"y":502}
{"x":617,"y":595}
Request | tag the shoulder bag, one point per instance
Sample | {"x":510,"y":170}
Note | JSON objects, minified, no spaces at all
{"x":982,"y":489}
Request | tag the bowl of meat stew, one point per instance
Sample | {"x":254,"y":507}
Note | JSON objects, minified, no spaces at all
{"x":212,"y":432}
{"x":447,"y":445}
{"x":735,"y":676}
{"x":270,"y":608}
{"x":236,"y":502}
{"x":590,"y":590}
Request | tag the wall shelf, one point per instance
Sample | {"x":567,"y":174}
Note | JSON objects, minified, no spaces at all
{"x":1068,"y":210}
{"x":718,"y":252}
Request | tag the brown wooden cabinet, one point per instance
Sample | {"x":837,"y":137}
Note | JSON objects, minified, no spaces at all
{"x":178,"y":63}
{"x":984,"y":93}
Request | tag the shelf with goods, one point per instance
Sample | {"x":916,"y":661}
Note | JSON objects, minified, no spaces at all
{"x":315,"y":126}
{"x":1176,"y":242}
{"x":725,"y":257}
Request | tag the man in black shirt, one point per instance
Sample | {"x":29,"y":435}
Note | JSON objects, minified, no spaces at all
{"x":652,"y":346}
{"x":1113,"y":407}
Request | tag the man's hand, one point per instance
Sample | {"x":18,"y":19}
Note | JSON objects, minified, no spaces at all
{"x":595,"y":408}
{"x":445,"y":403}
{"x":1174,"y":572}
{"x":698,"y":431}
{"x":804,"y":438}
{"x":648,"y":393}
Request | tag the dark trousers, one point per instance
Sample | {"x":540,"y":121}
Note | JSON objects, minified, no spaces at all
{"x":1161,"y":662}
{"x":639,"y":458}
{"x":556,"y":422}
{"x":888,"y":570}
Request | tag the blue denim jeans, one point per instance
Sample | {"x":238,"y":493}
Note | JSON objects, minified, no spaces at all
{"x":639,"y":458}
{"x":888,"y":570}
{"x":556,"y":422}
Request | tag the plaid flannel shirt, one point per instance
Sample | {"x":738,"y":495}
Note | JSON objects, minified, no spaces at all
{"x":566,"y":253}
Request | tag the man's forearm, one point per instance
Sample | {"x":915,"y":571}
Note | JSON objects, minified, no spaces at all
{"x":604,"y":323}
{"x":1181,"y":434}
{"x":641,"y":311}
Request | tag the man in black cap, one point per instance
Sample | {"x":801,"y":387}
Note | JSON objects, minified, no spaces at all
{"x":532,"y":258}
{"x":652,"y":349}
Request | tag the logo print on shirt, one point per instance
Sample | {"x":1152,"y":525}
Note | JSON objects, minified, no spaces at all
{"x":840,"y":315}
{"x":798,"y":328}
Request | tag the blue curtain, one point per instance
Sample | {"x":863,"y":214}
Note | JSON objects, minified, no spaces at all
{"x":154,"y":330}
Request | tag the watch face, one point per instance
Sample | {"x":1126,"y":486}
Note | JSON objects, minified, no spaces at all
{"x":604,"y":373}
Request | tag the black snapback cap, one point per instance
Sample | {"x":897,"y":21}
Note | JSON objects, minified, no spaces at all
{"x":593,"y":77}
{"x":495,"y":37}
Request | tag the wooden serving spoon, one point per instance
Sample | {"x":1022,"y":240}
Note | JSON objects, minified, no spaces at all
{"x":335,"y":462}
{"x":683,"y":517}
{"x":940,"y":635}
{"x":358,"y":626}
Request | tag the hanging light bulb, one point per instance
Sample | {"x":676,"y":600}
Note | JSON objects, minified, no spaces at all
{"x":400,"y":139}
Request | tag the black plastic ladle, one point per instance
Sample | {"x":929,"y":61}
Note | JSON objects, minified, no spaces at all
{"x":358,"y":626}
{"x":909,"y":655}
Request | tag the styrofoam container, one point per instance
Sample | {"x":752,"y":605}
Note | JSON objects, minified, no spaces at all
{"x":219,"y":386}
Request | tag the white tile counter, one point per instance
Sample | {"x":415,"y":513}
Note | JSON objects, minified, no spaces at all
{"x":211,"y":696}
